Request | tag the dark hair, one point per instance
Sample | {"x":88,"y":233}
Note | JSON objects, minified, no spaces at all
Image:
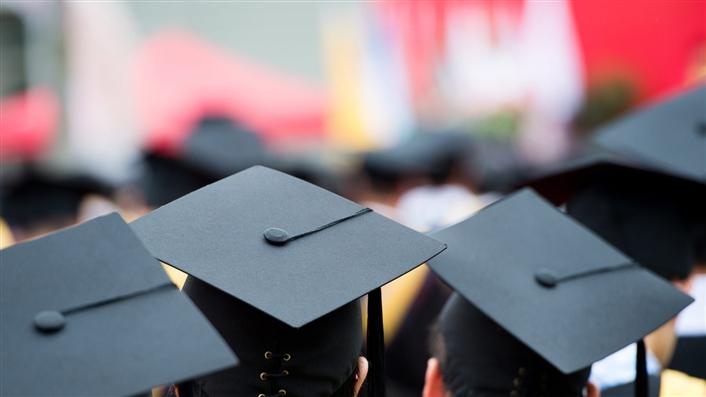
{"x":437,"y":348}
{"x":540,"y":380}
{"x":381,"y":180}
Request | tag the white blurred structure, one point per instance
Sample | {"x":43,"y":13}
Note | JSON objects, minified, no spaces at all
{"x":100,"y":45}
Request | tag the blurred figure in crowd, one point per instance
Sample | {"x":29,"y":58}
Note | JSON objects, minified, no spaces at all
{"x":640,"y":187}
{"x":448,"y":194}
{"x":383,"y":177}
{"x":646,"y":225}
{"x":215,"y":148}
{"x":690,"y":349}
{"x":38,"y":202}
{"x":433,"y":190}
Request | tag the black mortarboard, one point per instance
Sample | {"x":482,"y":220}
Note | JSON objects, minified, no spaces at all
{"x":493,"y":165}
{"x":166,"y":178}
{"x":642,"y":183}
{"x":385,"y":168}
{"x":291,"y":250}
{"x":87,"y":311}
{"x":217,"y":147}
{"x":429,"y":155}
{"x":36,"y":197}
{"x":568,"y":296}
{"x":670,"y":134}
{"x":663,"y":146}
{"x":314,"y":171}
{"x":221,"y":147}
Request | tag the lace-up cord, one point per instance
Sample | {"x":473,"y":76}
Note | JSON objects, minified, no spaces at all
{"x":266,"y":376}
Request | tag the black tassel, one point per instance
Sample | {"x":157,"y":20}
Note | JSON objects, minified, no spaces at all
{"x":641,"y":385}
{"x":376,"y":345}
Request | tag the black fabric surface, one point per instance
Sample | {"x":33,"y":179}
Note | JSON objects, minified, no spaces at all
{"x":495,"y":257}
{"x":121,"y":348}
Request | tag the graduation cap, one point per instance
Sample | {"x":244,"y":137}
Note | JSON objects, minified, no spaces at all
{"x":663,"y":145}
{"x":670,"y":134}
{"x":37,"y":197}
{"x":642,"y":182}
{"x":429,"y":155}
{"x":294,"y":252}
{"x":314,"y":171}
{"x":87,"y":311}
{"x":217,"y":147}
{"x":546,"y":281}
{"x":493,"y":165}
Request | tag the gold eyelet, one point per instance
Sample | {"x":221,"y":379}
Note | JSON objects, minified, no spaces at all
{"x":285,"y":372}
{"x":261,"y":395}
{"x":268,"y":355}
{"x":263,"y":375}
{"x":282,"y":392}
{"x":286,"y":357}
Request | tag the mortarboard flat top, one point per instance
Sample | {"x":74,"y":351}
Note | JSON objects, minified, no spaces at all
{"x":217,"y":234}
{"x":670,"y":134}
{"x":87,"y":311}
{"x":523,"y":264}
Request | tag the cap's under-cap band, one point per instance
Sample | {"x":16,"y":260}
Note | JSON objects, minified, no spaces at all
{"x":50,"y":321}
{"x":277,"y":236}
{"x":549,"y":278}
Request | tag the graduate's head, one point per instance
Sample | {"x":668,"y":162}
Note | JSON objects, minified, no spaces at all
{"x":215,"y":148}
{"x":278,"y":265}
{"x":539,"y":298}
{"x":38,"y":202}
{"x":322,"y":358}
{"x":427,"y":158}
{"x":474,"y":356}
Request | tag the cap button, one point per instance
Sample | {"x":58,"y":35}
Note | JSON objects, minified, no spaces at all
{"x":276,"y":236}
{"x":49,"y":321}
{"x":546,"y":278}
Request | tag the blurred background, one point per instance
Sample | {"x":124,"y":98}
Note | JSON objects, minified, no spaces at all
{"x":422,"y":110}
{"x":91,"y":85}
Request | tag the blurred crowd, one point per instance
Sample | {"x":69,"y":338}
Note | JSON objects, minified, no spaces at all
{"x":422,"y":115}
